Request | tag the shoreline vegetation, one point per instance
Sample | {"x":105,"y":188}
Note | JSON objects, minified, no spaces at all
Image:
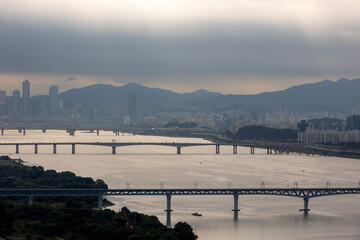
{"x":71,"y":218}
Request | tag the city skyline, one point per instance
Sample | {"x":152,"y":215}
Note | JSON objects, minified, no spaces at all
{"x":236,"y":47}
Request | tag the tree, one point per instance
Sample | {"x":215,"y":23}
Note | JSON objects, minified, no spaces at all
{"x":184,"y":231}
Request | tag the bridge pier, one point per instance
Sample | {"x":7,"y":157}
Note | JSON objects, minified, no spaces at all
{"x":168,"y":210}
{"x":97,"y":132}
{"x":44,"y":130}
{"x":54,"y":148}
{"x":217,"y":149}
{"x":113,"y":150}
{"x":24,"y":131}
{"x":2,"y":131}
{"x":73,"y":148}
{"x":178,"y":150}
{"x":236,"y":206}
{"x":234,"y":149}
{"x":252,"y":150}
{"x":306,"y":206}
{"x":267,"y":151}
{"x":71,"y":132}
{"x":31,"y":200}
{"x":100,"y":202}
{"x":17,"y":149}
{"x":20,"y":130}
{"x":36,"y":149}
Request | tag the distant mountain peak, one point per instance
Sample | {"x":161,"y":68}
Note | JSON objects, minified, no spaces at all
{"x":343,"y":80}
{"x":132,"y":84}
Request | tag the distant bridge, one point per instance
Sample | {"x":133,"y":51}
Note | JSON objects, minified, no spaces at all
{"x":70,"y":130}
{"x":114,"y":145}
{"x":304,"y":193}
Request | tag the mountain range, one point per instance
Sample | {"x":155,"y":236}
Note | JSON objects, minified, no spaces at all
{"x":341,"y":96}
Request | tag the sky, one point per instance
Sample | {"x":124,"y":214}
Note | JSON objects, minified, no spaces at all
{"x":227,"y":46}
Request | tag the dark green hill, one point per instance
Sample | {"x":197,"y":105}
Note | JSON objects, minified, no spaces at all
{"x":340,"y":96}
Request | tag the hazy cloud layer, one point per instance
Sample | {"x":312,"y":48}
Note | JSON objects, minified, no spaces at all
{"x":211,"y":40}
{"x":71,"y":79}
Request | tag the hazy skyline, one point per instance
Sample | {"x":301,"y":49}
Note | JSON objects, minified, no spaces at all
{"x":239,"y":47}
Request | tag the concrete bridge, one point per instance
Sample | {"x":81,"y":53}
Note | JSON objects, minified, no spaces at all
{"x":303,"y":193}
{"x":114,"y":145}
{"x":70,"y":130}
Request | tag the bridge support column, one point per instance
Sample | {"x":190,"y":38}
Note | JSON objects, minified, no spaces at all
{"x":168,"y":210}
{"x":73,"y":148}
{"x":252,"y":150}
{"x":217,"y":149}
{"x":267,"y":151}
{"x":100,"y":202}
{"x":36,"y":149}
{"x":113,"y":150}
{"x":2,"y":131}
{"x":31,"y":200}
{"x":44,"y":130}
{"x":17,"y":149}
{"x":54,"y":148}
{"x":97,"y":132}
{"x":178,"y":150}
{"x":19,"y":130}
{"x":24,"y":131}
{"x":306,"y":206}
{"x":236,"y":206}
{"x":234,"y":149}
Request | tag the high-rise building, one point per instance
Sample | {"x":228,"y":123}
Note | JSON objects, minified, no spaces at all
{"x":16,"y":104}
{"x":353,"y":122}
{"x":26,"y":97}
{"x":53,"y":101}
{"x":2,"y":103}
{"x":132,"y":105}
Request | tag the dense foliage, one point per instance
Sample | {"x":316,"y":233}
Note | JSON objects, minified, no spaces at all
{"x":88,"y":224}
{"x":265,"y":133}
{"x":14,"y":175}
{"x":72,"y":217}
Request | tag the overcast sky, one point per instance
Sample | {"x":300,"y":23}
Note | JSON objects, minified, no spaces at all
{"x":228,"y":46}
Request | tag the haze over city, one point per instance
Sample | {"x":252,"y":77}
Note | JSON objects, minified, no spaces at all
{"x":237,"y":47}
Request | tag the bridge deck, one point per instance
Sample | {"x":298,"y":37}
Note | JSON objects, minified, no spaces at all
{"x":298,"y":192}
{"x":116,"y":144}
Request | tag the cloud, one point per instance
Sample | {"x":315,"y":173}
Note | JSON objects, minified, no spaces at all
{"x":206,"y":49}
{"x":71,"y":79}
{"x":181,"y":42}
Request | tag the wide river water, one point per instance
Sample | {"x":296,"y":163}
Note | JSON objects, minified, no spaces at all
{"x":261,"y":217}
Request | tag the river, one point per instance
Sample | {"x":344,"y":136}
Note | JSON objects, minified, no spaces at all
{"x":261,"y":217}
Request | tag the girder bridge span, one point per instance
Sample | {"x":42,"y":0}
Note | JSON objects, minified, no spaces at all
{"x":113,"y":145}
{"x":304,"y":193}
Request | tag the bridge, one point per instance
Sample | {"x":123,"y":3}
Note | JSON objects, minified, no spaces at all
{"x":114,"y":145}
{"x":70,"y":130}
{"x":304,"y":193}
